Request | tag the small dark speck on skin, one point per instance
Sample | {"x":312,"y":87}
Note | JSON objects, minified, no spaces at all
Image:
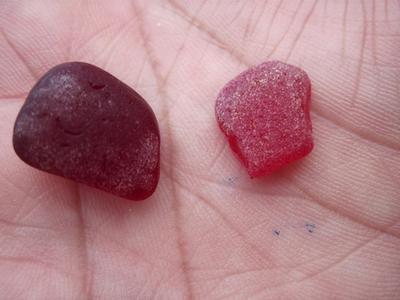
{"x":310,"y":227}
{"x":276,"y":232}
{"x":231,"y":179}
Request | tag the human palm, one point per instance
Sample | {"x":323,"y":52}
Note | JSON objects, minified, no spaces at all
{"x":327,"y":227}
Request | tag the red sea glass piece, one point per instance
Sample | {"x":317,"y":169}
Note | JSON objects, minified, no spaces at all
{"x":82,"y":123}
{"x":265,"y":114}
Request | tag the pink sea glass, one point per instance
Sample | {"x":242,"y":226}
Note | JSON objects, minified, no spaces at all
{"x":82,"y":123}
{"x":265,"y":114}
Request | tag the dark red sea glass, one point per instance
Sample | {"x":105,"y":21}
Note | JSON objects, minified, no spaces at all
{"x":265,"y":114}
{"x":82,"y":123}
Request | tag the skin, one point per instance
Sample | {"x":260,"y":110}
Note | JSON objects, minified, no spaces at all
{"x":326,"y":227}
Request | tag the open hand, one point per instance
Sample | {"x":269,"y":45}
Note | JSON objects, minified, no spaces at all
{"x":327,"y":227}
